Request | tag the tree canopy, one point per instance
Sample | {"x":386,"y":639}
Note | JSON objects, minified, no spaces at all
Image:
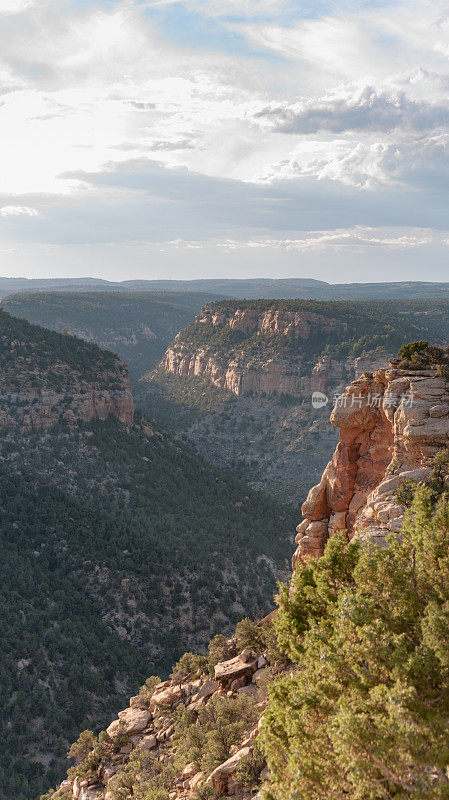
{"x":364,"y":713}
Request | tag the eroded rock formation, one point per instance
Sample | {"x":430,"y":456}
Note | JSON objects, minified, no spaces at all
{"x":269,"y":366}
{"x":392,"y":422}
{"x":46,"y":378}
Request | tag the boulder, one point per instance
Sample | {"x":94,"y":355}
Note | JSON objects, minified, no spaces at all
{"x":65,"y":786}
{"x":249,"y":690}
{"x":133,"y":720}
{"x":227,"y":671}
{"x":247,"y":655}
{"x":207,"y":690}
{"x":200,"y":698}
{"x":113,"y":729}
{"x":88,"y":793}
{"x":189,"y":771}
{"x":167,"y":697}
{"x":197,"y":780}
{"x":237,"y":683}
{"x":259,"y":673}
{"x":148,"y":742}
{"x":218,"y":779}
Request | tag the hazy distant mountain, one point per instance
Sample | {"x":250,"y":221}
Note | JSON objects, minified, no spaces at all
{"x":247,"y":288}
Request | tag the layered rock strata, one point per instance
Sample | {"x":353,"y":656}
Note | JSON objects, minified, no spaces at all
{"x":392,"y":422}
{"x":243,"y":369}
{"x":40,"y":409}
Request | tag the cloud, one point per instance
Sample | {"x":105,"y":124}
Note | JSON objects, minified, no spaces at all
{"x":223,"y":8}
{"x":15,"y":6}
{"x":361,"y":89}
{"x":421,"y":164}
{"x":363,"y":110}
{"x":141,"y":106}
{"x":18,"y":211}
{"x":358,"y":238}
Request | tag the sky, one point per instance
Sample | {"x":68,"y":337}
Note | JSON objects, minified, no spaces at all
{"x":225,"y":138}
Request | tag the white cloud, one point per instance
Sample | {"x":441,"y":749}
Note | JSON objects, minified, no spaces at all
{"x":362,"y":93}
{"x":15,"y":6}
{"x":223,"y":8}
{"x":358,"y":238}
{"x":18,"y":211}
{"x":365,"y":109}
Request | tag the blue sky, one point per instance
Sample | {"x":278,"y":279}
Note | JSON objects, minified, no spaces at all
{"x":195,"y":138}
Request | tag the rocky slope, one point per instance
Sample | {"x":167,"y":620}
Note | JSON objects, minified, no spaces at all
{"x":47,"y":379}
{"x":392,"y":424}
{"x":200,"y":728}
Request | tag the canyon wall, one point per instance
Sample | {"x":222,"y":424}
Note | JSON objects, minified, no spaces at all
{"x":391,"y":423}
{"x":275,"y":353}
{"x":47,"y":378}
{"x":40,"y":409}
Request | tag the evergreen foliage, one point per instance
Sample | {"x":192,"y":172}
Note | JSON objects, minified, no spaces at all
{"x":120,"y":550}
{"x":364,"y":713}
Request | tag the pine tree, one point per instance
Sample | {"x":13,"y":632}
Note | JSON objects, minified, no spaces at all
{"x":364,"y":712}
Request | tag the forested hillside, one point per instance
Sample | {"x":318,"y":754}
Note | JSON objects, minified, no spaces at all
{"x":120,"y":549}
{"x":136,"y":325}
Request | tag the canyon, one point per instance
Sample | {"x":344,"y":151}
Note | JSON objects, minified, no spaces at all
{"x":249,"y":384}
{"x":392,"y":423}
{"x":108,"y":527}
{"x":241,"y":366}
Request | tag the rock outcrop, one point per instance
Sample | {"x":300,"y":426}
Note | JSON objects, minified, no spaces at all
{"x":147,"y":733}
{"x":262,"y":350}
{"x":47,"y":378}
{"x":392,"y":422}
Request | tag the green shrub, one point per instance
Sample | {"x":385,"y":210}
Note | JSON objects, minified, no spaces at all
{"x":221,"y":723}
{"x":364,"y":714}
{"x":248,"y":773}
{"x":189,"y":664}
{"x":147,"y":689}
{"x":405,"y":493}
{"x":80,"y":749}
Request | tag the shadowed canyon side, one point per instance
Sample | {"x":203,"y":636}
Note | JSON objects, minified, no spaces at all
{"x":121,"y":548}
{"x":46,"y":379}
{"x":138,"y":326}
{"x":391,"y":422}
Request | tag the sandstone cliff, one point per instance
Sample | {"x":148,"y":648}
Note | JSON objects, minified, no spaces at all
{"x":47,"y":378}
{"x":391,"y":422}
{"x":259,"y":349}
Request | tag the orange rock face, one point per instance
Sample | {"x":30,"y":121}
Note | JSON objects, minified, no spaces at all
{"x":241,"y":370}
{"x":391,"y":420}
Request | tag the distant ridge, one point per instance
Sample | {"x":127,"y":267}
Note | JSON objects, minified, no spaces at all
{"x":249,"y":288}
